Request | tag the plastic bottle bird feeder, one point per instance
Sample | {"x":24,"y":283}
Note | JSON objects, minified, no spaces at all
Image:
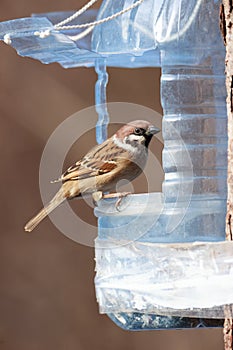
{"x":172,"y":269}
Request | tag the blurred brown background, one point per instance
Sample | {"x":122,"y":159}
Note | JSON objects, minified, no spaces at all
{"x":47,"y":298}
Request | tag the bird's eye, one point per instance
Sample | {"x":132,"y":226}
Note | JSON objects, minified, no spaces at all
{"x":139,"y":131}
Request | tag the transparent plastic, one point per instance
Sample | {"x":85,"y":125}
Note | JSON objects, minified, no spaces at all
{"x":182,"y":37}
{"x":192,"y":279}
{"x":60,"y":46}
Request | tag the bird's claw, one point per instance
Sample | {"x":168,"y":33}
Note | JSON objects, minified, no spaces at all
{"x":118,"y":195}
{"x":97,"y":196}
{"x":121,"y":196}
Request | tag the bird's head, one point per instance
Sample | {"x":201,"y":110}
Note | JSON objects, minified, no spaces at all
{"x":136,"y":133}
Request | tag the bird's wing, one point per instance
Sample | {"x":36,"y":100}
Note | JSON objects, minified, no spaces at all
{"x":100,"y":160}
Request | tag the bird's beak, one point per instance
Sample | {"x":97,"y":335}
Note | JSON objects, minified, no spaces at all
{"x":152,"y":130}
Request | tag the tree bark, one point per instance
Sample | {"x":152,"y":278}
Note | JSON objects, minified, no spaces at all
{"x":226,"y":26}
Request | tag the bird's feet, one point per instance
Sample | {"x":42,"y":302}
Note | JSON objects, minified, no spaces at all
{"x":97,"y":196}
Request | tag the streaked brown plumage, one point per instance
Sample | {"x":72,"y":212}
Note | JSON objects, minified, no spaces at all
{"x":122,"y":156}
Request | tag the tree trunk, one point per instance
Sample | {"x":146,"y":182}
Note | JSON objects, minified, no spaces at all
{"x":226,"y":22}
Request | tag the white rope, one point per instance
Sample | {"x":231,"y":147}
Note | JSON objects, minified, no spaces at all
{"x":90,"y":26}
{"x":76,"y":14}
{"x":81,"y":35}
{"x":61,"y":25}
{"x":103,"y":20}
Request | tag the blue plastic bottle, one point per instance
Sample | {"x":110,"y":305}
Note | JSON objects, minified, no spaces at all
{"x":183,"y":38}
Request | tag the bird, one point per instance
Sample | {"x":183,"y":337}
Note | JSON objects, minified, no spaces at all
{"x":122,"y":156}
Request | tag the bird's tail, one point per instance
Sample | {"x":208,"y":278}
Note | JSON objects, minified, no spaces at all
{"x":55,"y":202}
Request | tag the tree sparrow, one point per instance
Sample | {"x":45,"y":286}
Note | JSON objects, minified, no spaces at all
{"x":122,"y":156}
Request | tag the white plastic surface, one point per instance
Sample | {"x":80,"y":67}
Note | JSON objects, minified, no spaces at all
{"x":187,"y":279}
